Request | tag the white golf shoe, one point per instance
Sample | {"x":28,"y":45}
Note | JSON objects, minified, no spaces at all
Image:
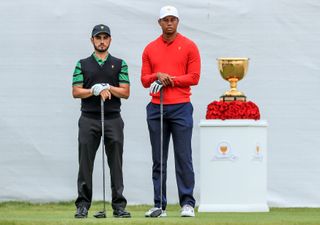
{"x":187,"y":211}
{"x":155,"y":212}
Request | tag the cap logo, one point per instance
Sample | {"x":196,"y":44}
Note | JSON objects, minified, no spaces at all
{"x":102,"y":27}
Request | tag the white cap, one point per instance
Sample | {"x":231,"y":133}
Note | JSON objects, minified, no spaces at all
{"x":168,"y":10}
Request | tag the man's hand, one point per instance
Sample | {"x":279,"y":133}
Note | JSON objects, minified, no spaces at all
{"x":165,"y":79}
{"x":105,"y":94}
{"x":155,"y":87}
{"x":98,"y":88}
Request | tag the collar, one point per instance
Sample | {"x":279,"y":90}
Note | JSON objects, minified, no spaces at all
{"x":100,"y":61}
{"x":168,"y":43}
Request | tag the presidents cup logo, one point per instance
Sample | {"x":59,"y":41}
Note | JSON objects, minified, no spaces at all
{"x":258,"y":155}
{"x":223,"y":152}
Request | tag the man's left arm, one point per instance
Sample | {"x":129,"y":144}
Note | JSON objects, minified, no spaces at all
{"x":193,"y":69}
{"x":123,"y":91}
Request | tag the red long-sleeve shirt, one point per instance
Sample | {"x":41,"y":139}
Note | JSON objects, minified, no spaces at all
{"x":180,"y":59}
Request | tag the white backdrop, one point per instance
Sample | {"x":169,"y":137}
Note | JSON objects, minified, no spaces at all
{"x":41,"y":41}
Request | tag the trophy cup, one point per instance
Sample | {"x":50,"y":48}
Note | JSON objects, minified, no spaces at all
{"x":233,"y":70}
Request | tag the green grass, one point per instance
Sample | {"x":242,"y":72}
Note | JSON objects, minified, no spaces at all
{"x":18,"y":213}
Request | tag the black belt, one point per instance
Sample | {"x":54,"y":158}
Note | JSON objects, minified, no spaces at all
{"x":95,"y":115}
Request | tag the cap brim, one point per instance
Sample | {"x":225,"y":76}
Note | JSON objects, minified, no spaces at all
{"x":101,"y":32}
{"x":168,"y":14}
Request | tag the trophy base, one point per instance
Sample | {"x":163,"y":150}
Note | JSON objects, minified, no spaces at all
{"x":230,"y":98}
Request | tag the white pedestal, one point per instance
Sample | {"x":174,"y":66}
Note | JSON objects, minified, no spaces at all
{"x":233,"y":166}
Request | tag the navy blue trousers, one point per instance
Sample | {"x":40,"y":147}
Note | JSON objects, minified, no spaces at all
{"x":178,"y":122}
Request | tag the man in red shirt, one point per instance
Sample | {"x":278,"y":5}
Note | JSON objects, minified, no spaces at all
{"x":171,"y":63}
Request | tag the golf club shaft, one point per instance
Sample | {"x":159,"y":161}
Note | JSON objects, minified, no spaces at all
{"x":161,"y":144}
{"x":102,"y":149}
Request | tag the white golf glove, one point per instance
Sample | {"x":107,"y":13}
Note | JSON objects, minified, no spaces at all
{"x":155,"y":87}
{"x":97,"y":88}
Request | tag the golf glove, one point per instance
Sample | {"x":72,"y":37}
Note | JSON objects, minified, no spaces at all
{"x":155,"y":87}
{"x":97,"y":88}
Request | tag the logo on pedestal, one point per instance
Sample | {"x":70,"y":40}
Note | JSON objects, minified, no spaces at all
{"x":223,"y":152}
{"x":258,"y":156}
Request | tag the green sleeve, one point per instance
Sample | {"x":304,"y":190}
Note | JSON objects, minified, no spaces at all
{"x":77,"y":75}
{"x":124,"y":75}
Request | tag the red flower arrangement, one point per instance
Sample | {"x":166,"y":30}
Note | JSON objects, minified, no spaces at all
{"x":232,"y":110}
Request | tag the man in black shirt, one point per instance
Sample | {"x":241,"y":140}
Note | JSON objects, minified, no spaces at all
{"x":100,"y":76}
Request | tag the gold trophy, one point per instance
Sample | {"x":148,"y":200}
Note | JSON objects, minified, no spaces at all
{"x":233,"y":70}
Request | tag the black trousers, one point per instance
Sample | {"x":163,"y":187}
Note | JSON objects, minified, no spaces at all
{"x":89,"y":139}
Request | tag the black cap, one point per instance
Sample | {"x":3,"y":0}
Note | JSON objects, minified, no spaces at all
{"x":101,"y":28}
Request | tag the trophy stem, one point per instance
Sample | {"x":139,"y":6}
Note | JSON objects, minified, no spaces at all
{"x":233,"y":84}
{"x":233,"y":88}
{"x":233,"y":94}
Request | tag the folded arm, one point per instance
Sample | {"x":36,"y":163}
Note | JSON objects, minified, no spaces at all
{"x":192,"y":76}
{"x":147,"y":77}
{"x":80,"y":92}
{"x":123,"y":91}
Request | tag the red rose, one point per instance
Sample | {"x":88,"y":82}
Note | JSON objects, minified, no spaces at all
{"x":232,"y":110}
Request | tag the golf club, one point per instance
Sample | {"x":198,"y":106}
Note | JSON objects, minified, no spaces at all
{"x":102,"y":214}
{"x":158,"y":211}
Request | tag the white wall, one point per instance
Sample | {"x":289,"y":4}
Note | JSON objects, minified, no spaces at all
{"x":41,"y":41}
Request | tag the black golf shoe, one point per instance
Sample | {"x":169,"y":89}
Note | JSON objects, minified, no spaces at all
{"x":82,"y":212}
{"x":121,"y":213}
